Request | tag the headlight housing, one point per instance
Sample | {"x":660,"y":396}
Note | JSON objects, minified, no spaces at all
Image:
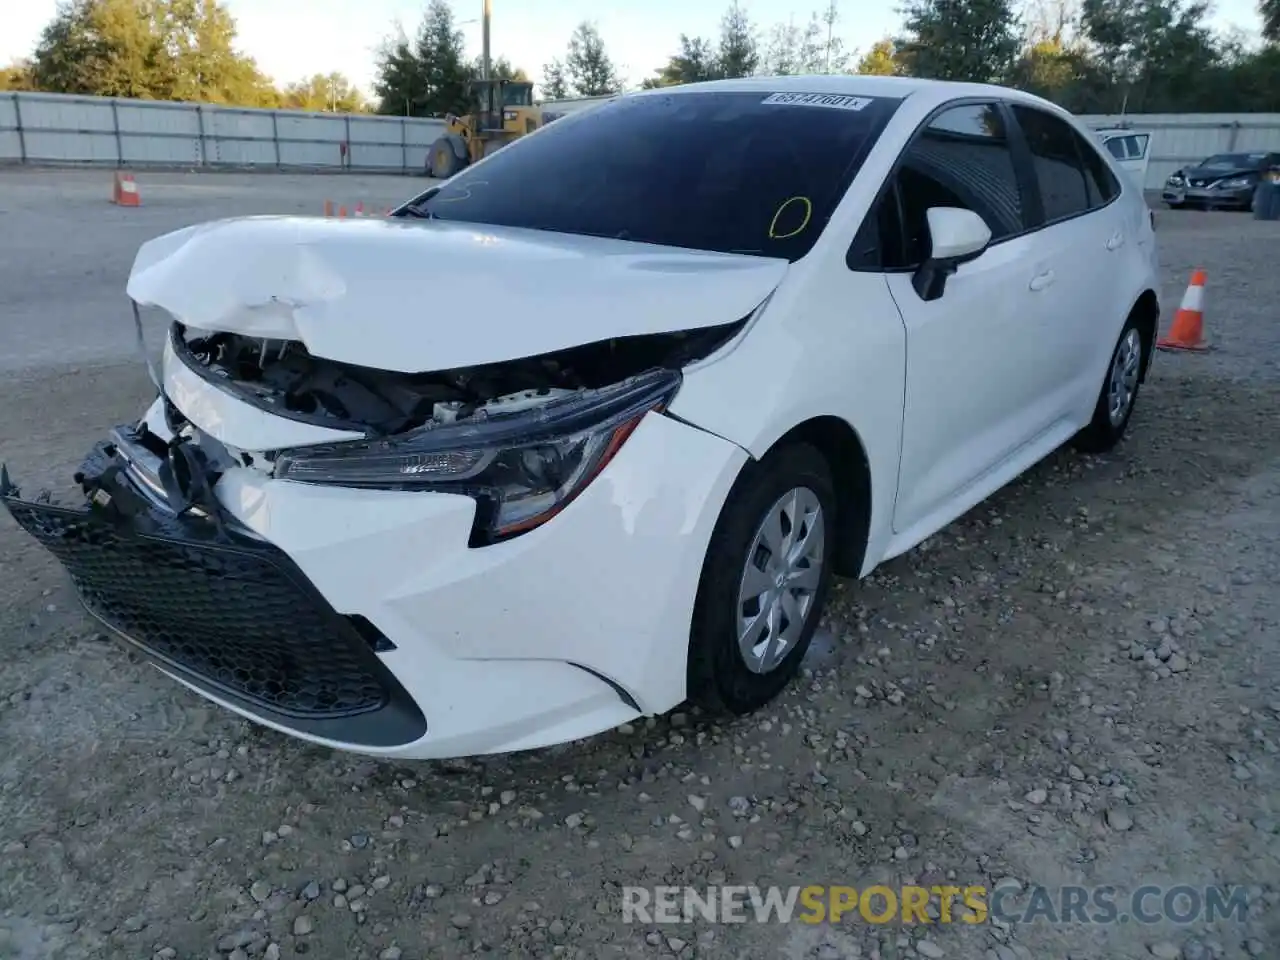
{"x":1235,"y":183}
{"x":1174,"y":180}
{"x":521,"y":468}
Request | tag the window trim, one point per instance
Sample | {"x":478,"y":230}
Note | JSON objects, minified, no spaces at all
{"x":1022,"y":172}
{"x":1091,"y":144}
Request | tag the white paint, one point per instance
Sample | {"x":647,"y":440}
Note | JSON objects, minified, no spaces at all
{"x":951,"y":399}
{"x":419,"y":295}
{"x":955,"y":233}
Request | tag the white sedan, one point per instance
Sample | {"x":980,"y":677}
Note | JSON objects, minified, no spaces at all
{"x":586,"y":431}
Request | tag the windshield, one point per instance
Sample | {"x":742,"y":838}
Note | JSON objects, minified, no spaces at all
{"x":517,"y":96}
{"x":1234,"y":161}
{"x":755,"y":173}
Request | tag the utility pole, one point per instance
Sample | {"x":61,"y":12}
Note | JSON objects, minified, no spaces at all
{"x":484,"y":56}
{"x":831,"y":21}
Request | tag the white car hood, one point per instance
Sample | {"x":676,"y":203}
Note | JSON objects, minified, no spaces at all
{"x":422,"y":295}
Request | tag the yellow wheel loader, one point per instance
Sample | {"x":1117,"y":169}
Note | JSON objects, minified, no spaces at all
{"x":501,"y":111}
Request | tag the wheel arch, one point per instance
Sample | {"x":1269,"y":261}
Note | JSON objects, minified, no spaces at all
{"x":1146,"y":311}
{"x":846,"y":455}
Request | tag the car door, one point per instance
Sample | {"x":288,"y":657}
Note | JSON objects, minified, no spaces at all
{"x":973,"y":357}
{"x":1085,"y":237}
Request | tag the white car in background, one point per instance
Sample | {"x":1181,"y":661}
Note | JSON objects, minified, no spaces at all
{"x":1131,"y":150}
{"x":587,"y":430}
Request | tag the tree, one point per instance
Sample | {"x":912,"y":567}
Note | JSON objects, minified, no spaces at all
{"x":824,"y":43}
{"x":1270,"y":10}
{"x":444,"y":70}
{"x":17,"y":76}
{"x":782,"y":53}
{"x":973,"y":40}
{"x":324,"y":92}
{"x":880,"y":61}
{"x":400,"y":85}
{"x":588,"y":66}
{"x":554,"y":86}
{"x":499,"y":69}
{"x":1154,"y":53}
{"x":100,"y":47}
{"x":148,"y":49}
{"x":695,"y":63}
{"x":738,"y":54}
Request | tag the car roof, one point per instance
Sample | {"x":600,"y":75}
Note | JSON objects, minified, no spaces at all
{"x":857,"y":85}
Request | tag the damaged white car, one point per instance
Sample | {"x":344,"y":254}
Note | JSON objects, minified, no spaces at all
{"x":587,"y":430}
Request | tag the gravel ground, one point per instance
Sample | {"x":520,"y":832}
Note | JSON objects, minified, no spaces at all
{"x":1076,"y":683}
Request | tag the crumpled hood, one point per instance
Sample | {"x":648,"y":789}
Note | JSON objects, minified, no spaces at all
{"x":421,"y":295}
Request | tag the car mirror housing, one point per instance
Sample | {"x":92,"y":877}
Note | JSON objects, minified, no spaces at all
{"x":956,"y":236}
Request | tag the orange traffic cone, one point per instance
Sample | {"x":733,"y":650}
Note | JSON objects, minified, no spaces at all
{"x":328,"y":208}
{"x":124,"y":192}
{"x":1187,"y":332}
{"x":342,"y":211}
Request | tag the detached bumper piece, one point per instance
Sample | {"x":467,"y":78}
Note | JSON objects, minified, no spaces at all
{"x":227,"y":612}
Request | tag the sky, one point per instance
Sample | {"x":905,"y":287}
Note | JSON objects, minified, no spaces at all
{"x":639,"y":35}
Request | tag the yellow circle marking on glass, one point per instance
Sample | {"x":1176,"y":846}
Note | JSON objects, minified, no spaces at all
{"x":808,"y":215}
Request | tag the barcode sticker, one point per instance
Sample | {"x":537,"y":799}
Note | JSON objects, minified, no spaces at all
{"x":835,"y":101}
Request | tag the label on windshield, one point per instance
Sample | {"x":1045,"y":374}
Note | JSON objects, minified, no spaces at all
{"x":834,"y":100}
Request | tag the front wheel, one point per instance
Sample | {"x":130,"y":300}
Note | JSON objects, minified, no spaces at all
{"x":443,"y":162}
{"x":764,"y":582}
{"x":1118,"y":395}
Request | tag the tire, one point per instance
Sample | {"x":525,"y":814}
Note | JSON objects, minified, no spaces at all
{"x":1123,"y":379}
{"x":720,"y":679}
{"x":1174,"y":206}
{"x":442,"y":161}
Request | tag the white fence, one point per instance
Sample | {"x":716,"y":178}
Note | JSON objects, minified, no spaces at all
{"x":50,"y":128}
{"x":44,"y":128}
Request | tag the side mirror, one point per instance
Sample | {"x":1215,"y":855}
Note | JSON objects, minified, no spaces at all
{"x":956,"y":236}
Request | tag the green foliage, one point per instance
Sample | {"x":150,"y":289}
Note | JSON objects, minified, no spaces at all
{"x":428,"y":77}
{"x":17,"y":76}
{"x":1270,"y":11}
{"x":150,"y":50}
{"x":400,"y":86}
{"x":587,"y":65}
{"x":441,"y":63}
{"x":695,"y":63}
{"x":880,"y":61}
{"x":555,"y":82}
{"x":972,"y":40}
{"x":738,"y":54}
{"x":332,"y":92}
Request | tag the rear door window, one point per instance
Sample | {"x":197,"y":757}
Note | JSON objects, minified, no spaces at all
{"x":1056,"y":159}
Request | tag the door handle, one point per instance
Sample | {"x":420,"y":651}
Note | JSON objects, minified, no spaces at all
{"x":1116,"y":242}
{"x":1042,"y":280}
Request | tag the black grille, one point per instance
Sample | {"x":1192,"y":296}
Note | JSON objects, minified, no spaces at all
{"x":232,"y":614}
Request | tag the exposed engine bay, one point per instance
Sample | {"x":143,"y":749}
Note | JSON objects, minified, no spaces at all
{"x":281,"y":376}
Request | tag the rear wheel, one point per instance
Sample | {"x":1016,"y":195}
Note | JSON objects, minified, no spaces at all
{"x":443,"y":162}
{"x":1119,"y":393}
{"x":764,"y":581}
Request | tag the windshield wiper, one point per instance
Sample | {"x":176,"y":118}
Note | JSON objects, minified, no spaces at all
{"x":422,"y":213}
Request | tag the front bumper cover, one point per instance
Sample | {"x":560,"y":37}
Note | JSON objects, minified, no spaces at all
{"x":1207,"y":196}
{"x":220,"y":609}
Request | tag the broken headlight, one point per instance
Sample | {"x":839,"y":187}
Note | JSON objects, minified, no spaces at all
{"x":521,"y":468}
